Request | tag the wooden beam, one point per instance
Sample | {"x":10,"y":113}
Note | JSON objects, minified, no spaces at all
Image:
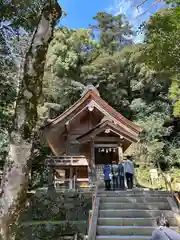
{"x":106,"y":139}
{"x":111,"y":117}
{"x":52,"y":148}
{"x":115,"y":145}
{"x":103,"y":128}
{"x":70,"y":120}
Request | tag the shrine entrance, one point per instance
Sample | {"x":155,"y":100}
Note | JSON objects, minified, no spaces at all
{"x":104,"y":154}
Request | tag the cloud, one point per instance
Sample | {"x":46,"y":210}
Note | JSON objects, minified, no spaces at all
{"x":134,"y":15}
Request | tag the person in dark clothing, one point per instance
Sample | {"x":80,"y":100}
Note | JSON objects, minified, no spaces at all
{"x":114,"y":171}
{"x":129,"y":172}
{"x":121,"y":174}
{"x":163,"y":232}
{"x":107,"y":179}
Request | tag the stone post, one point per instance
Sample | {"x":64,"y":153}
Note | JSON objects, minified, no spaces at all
{"x":50,"y":178}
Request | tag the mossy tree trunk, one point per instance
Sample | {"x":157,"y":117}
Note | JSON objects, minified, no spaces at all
{"x":15,"y":179}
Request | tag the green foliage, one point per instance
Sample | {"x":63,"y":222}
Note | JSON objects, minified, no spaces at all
{"x":162,"y":49}
{"x":69,"y":50}
{"x":143,"y":178}
{"x":113,"y":31}
{"x":162,"y":38}
{"x":4,"y":148}
{"x":175,"y":96}
{"x":173,"y":3}
{"x":17,"y":21}
{"x":21,"y":13}
{"x":7,"y":97}
{"x":39,"y":168}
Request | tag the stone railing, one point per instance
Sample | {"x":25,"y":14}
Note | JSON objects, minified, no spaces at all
{"x":67,"y":161}
{"x":70,"y":184}
{"x":93,"y":215}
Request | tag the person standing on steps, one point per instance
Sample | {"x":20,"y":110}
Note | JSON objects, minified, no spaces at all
{"x":163,"y":232}
{"x":115,"y":173}
{"x":107,"y":179}
{"x":121,"y":174}
{"x":129,"y":172}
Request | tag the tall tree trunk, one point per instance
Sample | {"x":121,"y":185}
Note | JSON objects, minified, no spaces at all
{"x":15,"y":179}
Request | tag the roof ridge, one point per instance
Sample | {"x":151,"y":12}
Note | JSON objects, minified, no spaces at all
{"x":94,"y":94}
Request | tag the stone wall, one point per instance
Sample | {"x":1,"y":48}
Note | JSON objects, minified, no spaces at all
{"x":51,"y":215}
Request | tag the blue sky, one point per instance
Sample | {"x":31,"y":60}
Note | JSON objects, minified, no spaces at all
{"x":81,"y":12}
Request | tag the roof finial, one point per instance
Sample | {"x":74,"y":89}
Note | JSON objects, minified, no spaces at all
{"x":90,"y":87}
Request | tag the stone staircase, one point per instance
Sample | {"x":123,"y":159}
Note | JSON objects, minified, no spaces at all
{"x":127,"y":215}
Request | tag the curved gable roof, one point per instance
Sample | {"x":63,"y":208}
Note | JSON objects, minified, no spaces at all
{"x":94,"y":96}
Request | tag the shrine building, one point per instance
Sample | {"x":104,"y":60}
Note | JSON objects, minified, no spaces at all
{"x":85,"y":137}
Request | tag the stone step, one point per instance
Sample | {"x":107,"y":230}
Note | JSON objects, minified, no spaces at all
{"x":122,"y":237}
{"x":120,"y":205}
{"x":139,"y":199}
{"x":134,"y":213}
{"x":127,"y":230}
{"x":131,"y":193}
{"x":133,"y":221}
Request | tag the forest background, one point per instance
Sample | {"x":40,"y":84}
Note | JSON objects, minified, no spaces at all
{"x":141,"y":81}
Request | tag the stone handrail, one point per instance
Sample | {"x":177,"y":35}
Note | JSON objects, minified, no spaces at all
{"x":175,"y":196}
{"x":177,"y":199}
{"x":94,"y":214}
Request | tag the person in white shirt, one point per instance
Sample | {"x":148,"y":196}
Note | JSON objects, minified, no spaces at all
{"x":129,"y":172}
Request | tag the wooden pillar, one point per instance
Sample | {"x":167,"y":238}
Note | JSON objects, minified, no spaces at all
{"x":71,"y":178}
{"x":120,"y":153}
{"x":93,"y":166}
{"x":74,"y":182}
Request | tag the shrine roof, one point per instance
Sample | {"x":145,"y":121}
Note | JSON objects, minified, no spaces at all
{"x":93,"y":95}
{"x":106,"y":124}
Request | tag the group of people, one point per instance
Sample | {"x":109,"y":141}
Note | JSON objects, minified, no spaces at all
{"x":119,"y":175}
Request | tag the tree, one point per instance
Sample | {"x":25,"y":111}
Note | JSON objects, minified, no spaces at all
{"x":14,"y":182}
{"x":20,"y":13}
{"x":71,"y":53}
{"x":162,"y":50}
{"x":113,"y":31}
{"x":162,"y":33}
{"x":15,"y":30}
{"x":170,"y":2}
{"x":68,"y":52}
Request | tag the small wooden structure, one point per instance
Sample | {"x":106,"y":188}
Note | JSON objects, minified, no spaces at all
{"x":85,"y":137}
